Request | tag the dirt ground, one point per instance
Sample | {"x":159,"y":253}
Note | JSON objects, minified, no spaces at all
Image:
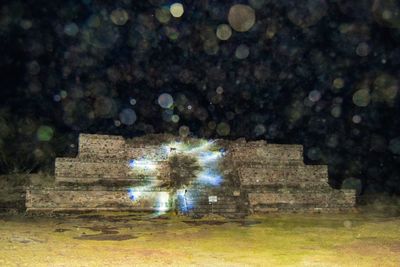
{"x":124,"y":239}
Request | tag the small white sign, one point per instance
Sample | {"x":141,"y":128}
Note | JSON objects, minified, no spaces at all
{"x":212,"y":199}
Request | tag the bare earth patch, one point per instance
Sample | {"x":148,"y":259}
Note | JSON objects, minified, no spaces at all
{"x":123,"y":239}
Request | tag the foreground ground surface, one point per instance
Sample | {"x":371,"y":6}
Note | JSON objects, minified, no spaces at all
{"x":123,"y":239}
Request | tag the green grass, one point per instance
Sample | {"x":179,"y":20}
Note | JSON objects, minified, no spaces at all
{"x":123,"y":239}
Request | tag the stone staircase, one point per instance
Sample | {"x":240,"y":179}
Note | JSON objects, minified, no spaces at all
{"x":257,"y":177}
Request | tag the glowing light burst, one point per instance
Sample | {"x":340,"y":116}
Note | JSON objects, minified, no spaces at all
{"x":175,"y":147}
{"x":143,"y":164}
{"x":180,"y":147}
{"x":161,"y":203}
{"x":208,"y":157}
{"x":133,"y":195}
{"x":185,"y":201}
{"x":205,"y":154}
{"x":204,"y":147}
{"x":210,"y":177}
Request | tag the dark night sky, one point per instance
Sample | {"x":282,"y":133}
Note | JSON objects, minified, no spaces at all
{"x":324,"y":74}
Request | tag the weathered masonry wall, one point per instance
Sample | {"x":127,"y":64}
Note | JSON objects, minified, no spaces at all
{"x":266,"y":153}
{"x":301,"y":200}
{"x":256,"y":177}
{"x":301,"y":175}
{"x":84,"y":199}
{"x":77,"y":170}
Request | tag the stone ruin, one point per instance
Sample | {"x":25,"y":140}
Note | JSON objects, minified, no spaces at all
{"x":160,"y":173}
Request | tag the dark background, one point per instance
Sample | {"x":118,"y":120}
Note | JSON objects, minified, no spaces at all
{"x":300,"y":83}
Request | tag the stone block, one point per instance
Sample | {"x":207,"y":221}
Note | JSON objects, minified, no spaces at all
{"x":283,"y":175}
{"x":76,"y":169}
{"x":255,"y":177}
{"x":65,"y":200}
{"x":302,"y":200}
{"x":266,"y":153}
{"x":155,"y":153}
{"x":102,"y":146}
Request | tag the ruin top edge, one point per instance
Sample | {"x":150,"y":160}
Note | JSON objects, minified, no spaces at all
{"x":161,"y":138}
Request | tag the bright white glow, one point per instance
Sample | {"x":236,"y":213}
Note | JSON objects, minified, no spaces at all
{"x":205,"y":146}
{"x":180,"y":192}
{"x":163,"y":202}
{"x":160,"y":200}
{"x":185,"y":202}
{"x":176,"y":10}
{"x":143,"y":164}
{"x":208,"y":177}
{"x":175,"y":147}
{"x":133,"y":194}
{"x":209,"y":157}
{"x":179,"y":147}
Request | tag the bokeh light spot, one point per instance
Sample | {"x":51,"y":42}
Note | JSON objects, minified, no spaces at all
{"x":45,"y":133}
{"x":241,"y":17}
{"x":361,"y":98}
{"x":26,"y":24}
{"x":163,"y":15}
{"x":212,"y":125}
{"x":33,"y":67}
{"x":259,"y":129}
{"x":314,"y":153}
{"x":356,"y":119}
{"x":184,"y":131}
{"x":127,"y":116}
{"x":338,"y":83}
{"x":223,"y":129}
{"x":307,"y":13}
{"x":224,"y":32}
{"x":387,"y":12}
{"x":119,"y":16}
{"x":175,"y":118}
{"x":176,"y":10}
{"x":385,"y":89}
{"x":71,"y":29}
{"x":362,"y":49}
{"x":394,"y":145}
{"x":257,"y":4}
{"x":314,"y":96}
{"x":336,"y":111}
{"x":242,"y":52}
{"x":165,"y":100}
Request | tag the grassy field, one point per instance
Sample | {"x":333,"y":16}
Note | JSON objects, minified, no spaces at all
{"x":123,"y":239}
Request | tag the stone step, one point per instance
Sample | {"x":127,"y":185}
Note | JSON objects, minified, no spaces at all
{"x":302,"y":209}
{"x":68,"y":198}
{"x":114,"y":182}
{"x":267,"y":163}
{"x":283,"y":187}
{"x":300,"y":199}
{"x":74,"y":169}
{"x":266,"y":153}
{"x":283,"y":175}
{"x":53,"y":199}
{"x":102,"y":146}
{"x":216,"y":207}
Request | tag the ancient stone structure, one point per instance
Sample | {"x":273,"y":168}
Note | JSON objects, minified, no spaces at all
{"x":192,"y":176}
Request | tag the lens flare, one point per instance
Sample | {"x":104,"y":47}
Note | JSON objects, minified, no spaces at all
{"x":143,"y":164}
{"x":207,"y":155}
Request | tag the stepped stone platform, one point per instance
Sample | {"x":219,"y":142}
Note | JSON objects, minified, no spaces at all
{"x":162,"y":172}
